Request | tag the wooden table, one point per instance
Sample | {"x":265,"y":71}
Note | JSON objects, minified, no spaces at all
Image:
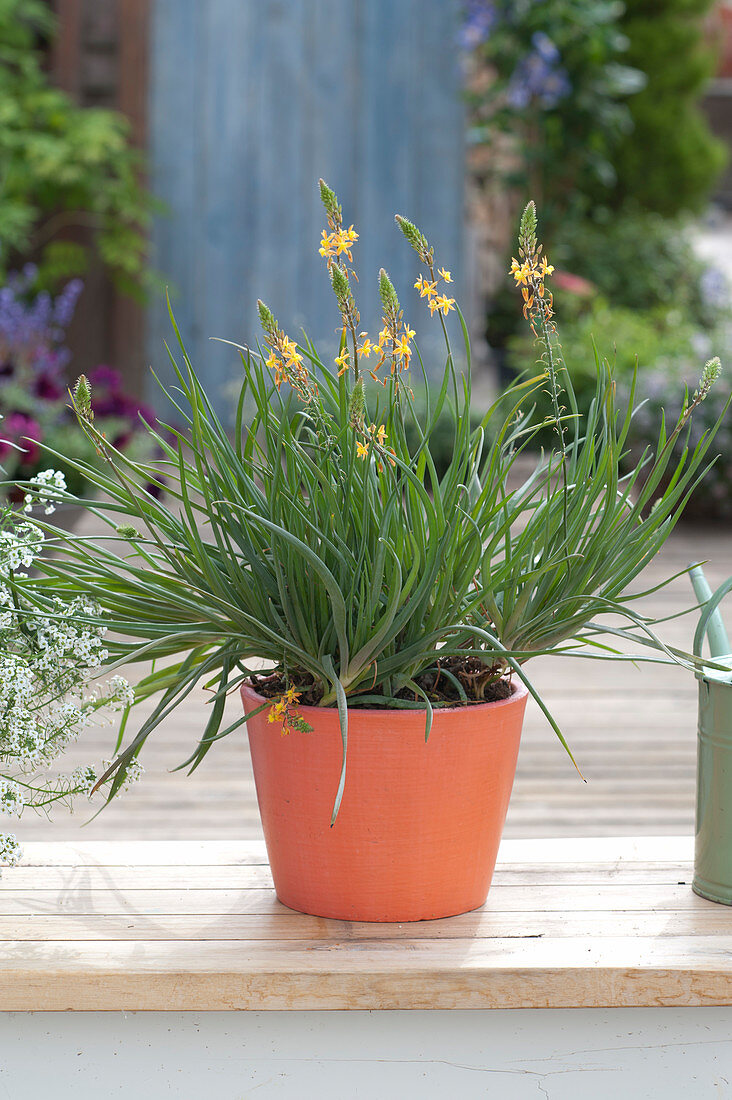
{"x":178,"y":934}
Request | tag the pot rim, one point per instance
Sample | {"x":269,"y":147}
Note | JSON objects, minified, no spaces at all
{"x":519,"y":692}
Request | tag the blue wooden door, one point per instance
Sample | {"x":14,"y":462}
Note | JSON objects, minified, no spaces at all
{"x":252,"y":101}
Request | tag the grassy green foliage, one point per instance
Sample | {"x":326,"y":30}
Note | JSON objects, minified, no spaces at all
{"x":331,"y":547}
{"x":62,"y":167}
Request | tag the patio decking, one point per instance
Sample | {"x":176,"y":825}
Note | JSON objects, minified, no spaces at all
{"x":631,"y":728}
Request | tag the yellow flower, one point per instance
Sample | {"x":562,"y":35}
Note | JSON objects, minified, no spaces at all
{"x":544,"y":267}
{"x":433,"y":305}
{"x":520,"y":272}
{"x":445,"y":304}
{"x":380,"y":433}
{"x":409,"y":332}
{"x":341,"y":243}
{"x":366,"y":348}
{"x":351,"y":234}
{"x":326,"y":245}
{"x":342,"y":361}
{"x":384,"y":337}
{"x":288,"y":348}
{"x":361,"y":449}
{"x":402,"y":347}
{"x":445,"y":274}
{"x":274,"y":363}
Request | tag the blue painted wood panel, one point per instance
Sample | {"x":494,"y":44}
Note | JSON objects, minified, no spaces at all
{"x":250,"y":102}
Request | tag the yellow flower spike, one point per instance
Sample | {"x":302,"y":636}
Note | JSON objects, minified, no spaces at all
{"x":445,"y":274}
{"x":361,"y":449}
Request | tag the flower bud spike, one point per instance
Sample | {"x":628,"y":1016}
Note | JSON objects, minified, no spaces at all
{"x":344,"y":296}
{"x":527,"y":229}
{"x":266,"y":319}
{"x":357,"y":405}
{"x":710,"y":374}
{"x":341,"y":287}
{"x":418,"y":241}
{"x":329,"y":200}
{"x":388,"y":295}
{"x":82,"y":398}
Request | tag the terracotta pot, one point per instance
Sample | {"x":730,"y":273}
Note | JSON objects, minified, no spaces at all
{"x":420,"y":823}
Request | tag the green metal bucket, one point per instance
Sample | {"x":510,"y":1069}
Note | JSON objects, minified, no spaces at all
{"x":713,"y":848}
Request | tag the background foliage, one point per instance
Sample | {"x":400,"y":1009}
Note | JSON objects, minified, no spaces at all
{"x":669,"y":161}
{"x":63,"y":168}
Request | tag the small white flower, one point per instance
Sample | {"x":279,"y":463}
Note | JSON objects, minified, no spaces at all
{"x":10,"y":850}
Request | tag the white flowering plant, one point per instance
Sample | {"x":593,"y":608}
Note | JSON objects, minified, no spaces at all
{"x":48,"y":661}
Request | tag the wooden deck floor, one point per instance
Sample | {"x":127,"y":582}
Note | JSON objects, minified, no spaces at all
{"x":631,"y":728}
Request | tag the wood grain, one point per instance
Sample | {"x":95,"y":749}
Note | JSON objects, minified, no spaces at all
{"x":568,"y":923}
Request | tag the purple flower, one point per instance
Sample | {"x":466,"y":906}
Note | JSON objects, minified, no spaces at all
{"x":49,"y":385}
{"x":111,"y":400}
{"x":545,"y":48}
{"x":20,"y":430}
{"x":538,"y":77}
{"x":480,"y":18}
{"x":65,"y":304}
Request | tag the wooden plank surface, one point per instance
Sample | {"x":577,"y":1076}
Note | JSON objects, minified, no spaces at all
{"x":568,"y":923}
{"x":632,"y":730}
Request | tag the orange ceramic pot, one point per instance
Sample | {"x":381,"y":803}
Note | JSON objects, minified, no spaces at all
{"x":420,"y":822}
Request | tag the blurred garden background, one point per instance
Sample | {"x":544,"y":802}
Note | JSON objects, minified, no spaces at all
{"x":153,"y":144}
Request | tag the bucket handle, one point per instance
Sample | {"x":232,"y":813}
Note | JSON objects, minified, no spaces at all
{"x":710,"y":608}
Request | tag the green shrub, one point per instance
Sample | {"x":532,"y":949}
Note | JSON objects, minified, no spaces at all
{"x":670,"y":161}
{"x":639,"y":261}
{"x":62,"y":167}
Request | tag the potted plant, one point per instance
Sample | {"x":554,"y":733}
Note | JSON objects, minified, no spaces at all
{"x":394,"y":610}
